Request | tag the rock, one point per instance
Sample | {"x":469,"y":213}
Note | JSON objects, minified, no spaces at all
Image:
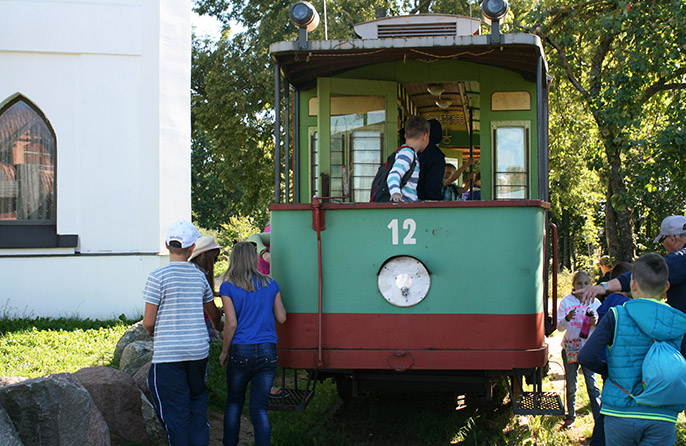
{"x":141,"y":378}
{"x":135,"y":356}
{"x":117,"y":396}
{"x":7,"y":380}
{"x":153,"y":426}
{"x":98,"y":431}
{"x":8,"y":434}
{"x":135,"y":333}
{"x":47,"y":411}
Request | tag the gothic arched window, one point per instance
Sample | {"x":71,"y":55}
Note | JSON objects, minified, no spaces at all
{"x":28,"y":154}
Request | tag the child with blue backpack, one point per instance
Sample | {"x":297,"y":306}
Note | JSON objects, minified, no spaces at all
{"x":646,"y":385}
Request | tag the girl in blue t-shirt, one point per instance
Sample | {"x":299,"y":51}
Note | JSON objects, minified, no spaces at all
{"x":251,"y":303}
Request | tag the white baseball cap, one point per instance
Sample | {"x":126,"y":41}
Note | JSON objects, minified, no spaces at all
{"x":672,"y":225}
{"x":183,"y":232}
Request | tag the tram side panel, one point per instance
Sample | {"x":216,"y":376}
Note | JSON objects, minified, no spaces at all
{"x":483,"y":309}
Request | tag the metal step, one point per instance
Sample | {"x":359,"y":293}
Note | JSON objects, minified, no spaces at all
{"x":538,"y":403}
{"x":293,"y":400}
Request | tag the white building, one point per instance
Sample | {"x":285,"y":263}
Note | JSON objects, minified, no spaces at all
{"x":94,"y":151}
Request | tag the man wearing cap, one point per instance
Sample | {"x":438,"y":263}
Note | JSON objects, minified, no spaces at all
{"x":175,"y":296}
{"x":673,"y":238}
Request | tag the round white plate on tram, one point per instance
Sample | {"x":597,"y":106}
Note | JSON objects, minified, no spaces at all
{"x":404,"y":281}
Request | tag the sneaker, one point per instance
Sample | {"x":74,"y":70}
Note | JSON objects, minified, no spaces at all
{"x":277,"y":392}
{"x":569,"y":422}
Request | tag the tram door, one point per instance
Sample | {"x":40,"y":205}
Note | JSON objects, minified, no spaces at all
{"x":357,"y":127}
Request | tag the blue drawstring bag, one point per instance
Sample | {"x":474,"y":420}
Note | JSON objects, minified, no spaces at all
{"x":664,"y":376}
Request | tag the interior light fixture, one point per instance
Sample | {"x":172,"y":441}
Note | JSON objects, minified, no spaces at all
{"x":443,"y":103}
{"x":435,"y":89}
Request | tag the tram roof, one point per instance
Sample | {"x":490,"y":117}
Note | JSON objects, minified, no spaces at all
{"x":322,"y":58}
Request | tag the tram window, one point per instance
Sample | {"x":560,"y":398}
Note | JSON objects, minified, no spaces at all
{"x":337,"y":163}
{"x":314,"y":161}
{"x":511,"y":160}
{"x":357,"y":140}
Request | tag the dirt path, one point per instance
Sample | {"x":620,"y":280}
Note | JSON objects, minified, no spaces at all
{"x":216,"y":419}
{"x":557,"y":375}
{"x":557,"y":370}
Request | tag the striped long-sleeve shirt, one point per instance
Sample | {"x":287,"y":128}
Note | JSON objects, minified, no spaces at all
{"x":403,"y":161}
{"x":179,"y":290}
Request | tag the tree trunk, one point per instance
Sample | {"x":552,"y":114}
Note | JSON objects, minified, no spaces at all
{"x":565,"y":250}
{"x":618,"y":225}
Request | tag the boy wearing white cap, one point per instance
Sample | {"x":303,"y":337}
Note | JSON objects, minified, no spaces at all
{"x":673,"y":238}
{"x":175,"y":296}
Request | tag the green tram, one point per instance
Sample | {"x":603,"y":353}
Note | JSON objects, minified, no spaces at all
{"x":446,"y":296}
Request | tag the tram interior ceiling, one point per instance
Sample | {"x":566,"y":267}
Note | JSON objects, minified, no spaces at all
{"x":452,"y":104}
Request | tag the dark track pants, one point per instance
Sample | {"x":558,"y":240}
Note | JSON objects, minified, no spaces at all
{"x":179,"y":395}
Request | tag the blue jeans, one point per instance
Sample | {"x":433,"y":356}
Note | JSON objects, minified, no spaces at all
{"x":638,"y":432}
{"x":254,"y":364}
{"x":179,"y":395}
{"x":571,"y":369}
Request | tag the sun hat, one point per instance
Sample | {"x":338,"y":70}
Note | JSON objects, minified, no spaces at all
{"x":672,"y":225}
{"x":184,"y":232}
{"x":204,"y":244}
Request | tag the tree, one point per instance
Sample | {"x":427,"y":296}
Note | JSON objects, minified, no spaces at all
{"x":232,"y":105}
{"x":232,"y":147}
{"x":575,"y":188}
{"x":626,"y":60}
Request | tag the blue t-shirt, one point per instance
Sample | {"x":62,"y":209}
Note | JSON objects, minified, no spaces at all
{"x":254,"y":312}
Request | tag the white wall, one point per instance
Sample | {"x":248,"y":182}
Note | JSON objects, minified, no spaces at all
{"x":113,"y":79}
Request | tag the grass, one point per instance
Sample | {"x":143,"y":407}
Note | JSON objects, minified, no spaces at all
{"x":39,"y":347}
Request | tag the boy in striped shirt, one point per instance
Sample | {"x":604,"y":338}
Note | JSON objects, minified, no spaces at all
{"x":175,"y":296}
{"x":416,"y":140}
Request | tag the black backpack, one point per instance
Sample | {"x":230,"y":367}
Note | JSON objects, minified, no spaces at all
{"x":379,"y":192}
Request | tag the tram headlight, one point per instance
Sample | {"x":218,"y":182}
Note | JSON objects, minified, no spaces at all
{"x":493,"y":10}
{"x":303,"y":15}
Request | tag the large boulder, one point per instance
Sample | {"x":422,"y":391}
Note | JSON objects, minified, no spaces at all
{"x":141,"y":378}
{"x":47,"y":411}
{"x":153,"y":426}
{"x":117,"y":396}
{"x":135,"y":333}
{"x":8,"y":434}
{"x":98,"y":431}
{"x":135,"y":356}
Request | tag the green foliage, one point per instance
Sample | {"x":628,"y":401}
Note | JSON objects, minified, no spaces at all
{"x":575,"y":188}
{"x":39,"y":347}
{"x":232,"y":148}
{"x":237,"y":228}
{"x":627,"y":62}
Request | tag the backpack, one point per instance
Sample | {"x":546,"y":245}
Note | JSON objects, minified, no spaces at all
{"x":663,"y":376}
{"x":379,"y":190}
